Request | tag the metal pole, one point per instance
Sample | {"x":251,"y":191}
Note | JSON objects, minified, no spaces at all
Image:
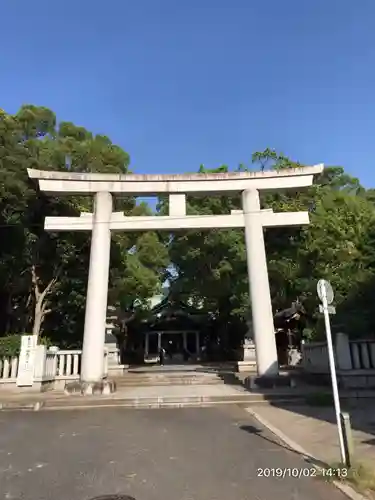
{"x":335,"y":390}
{"x":347,"y":430}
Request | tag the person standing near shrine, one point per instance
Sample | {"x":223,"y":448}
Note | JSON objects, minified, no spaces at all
{"x":162,"y":355}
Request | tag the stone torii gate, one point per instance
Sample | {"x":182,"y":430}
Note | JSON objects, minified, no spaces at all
{"x":104,"y":220}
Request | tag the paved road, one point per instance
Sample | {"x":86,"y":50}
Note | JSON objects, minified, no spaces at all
{"x":180,"y":454}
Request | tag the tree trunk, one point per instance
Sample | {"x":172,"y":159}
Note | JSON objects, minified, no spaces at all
{"x":40,"y":309}
{"x":38,"y":319}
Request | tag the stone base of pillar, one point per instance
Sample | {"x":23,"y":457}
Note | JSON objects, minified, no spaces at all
{"x":105,"y":387}
{"x":248,"y":362}
{"x":246,"y":366}
{"x":117,"y":370}
{"x":269,"y":382}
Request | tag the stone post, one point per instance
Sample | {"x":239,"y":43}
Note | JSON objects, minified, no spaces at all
{"x":342,"y":348}
{"x":247,"y":357}
{"x":147,"y":345}
{"x":264,"y":334}
{"x":97,"y":290}
{"x":40,"y":362}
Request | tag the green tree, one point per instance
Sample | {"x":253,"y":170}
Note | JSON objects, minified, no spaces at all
{"x":337,"y":245}
{"x":43,"y":276}
{"x":211,"y":264}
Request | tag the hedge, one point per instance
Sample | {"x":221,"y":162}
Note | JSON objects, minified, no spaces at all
{"x":10,"y":346}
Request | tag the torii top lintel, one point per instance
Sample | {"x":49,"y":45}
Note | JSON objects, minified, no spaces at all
{"x":145,"y":184}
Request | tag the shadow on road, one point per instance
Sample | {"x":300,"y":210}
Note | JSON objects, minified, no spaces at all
{"x":362,"y":414}
{"x":251,"y":429}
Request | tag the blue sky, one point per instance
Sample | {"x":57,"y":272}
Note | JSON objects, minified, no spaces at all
{"x":178,"y":83}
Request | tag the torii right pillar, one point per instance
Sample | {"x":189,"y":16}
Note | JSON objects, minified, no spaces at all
{"x":260,"y":295}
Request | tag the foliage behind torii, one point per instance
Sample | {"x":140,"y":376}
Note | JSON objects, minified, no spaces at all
{"x":43,"y":276}
{"x":209,"y":267}
{"x":338,"y":245}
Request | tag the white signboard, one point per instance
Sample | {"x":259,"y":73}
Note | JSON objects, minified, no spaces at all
{"x":25,"y":376}
{"x":328,"y":291}
{"x":330,"y":309}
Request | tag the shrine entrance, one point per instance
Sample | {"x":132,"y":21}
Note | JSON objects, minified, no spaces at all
{"x":180,"y":347}
{"x":173,"y":326}
{"x":252,"y":218}
{"x":172,"y":343}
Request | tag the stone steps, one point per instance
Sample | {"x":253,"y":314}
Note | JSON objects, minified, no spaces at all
{"x":141,"y":380}
{"x":150,"y":383}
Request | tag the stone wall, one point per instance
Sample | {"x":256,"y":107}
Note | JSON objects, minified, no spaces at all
{"x":354,"y":360}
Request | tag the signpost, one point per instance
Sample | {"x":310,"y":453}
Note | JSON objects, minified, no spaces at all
{"x":325,"y":294}
{"x":324,"y":288}
{"x":25,"y":376}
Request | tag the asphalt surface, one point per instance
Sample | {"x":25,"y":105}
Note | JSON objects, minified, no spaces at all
{"x":179,"y":454}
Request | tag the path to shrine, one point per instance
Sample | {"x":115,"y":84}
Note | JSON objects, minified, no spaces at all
{"x":184,"y":454}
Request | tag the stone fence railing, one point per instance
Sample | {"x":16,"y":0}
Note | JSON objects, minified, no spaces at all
{"x":314,"y":357}
{"x":68,"y":364}
{"x":8,"y":368}
{"x":354,"y":359}
{"x":51,"y":367}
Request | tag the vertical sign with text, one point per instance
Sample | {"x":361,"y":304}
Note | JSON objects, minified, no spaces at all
{"x":25,"y":376}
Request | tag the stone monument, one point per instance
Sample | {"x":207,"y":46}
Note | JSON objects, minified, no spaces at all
{"x":248,"y":351}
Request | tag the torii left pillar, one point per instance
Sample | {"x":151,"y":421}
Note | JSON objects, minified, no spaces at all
{"x":92,"y":368}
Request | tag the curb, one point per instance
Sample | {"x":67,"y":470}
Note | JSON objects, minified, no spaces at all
{"x":344,"y":488}
{"x":153,"y":402}
{"x":157,"y":405}
{"x":141,"y":403}
{"x":36,"y":406}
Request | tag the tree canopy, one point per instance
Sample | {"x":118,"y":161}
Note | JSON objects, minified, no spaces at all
{"x":43,"y":276}
{"x":337,"y":245}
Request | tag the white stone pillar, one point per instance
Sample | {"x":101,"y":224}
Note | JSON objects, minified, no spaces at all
{"x":263,"y":328}
{"x":147,"y":344}
{"x":97,"y":291}
{"x":40,"y":362}
{"x":342,"y":347}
